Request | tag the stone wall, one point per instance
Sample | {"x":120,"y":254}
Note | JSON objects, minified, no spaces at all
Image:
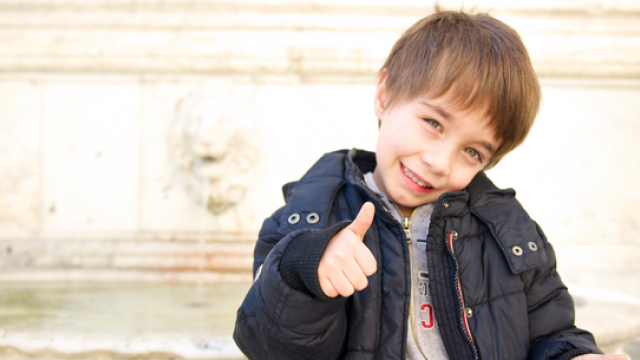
{"x":90,"y":93}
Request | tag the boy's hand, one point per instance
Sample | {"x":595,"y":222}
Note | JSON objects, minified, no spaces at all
{"x":600,"y":357}
{"x":347,"y":261}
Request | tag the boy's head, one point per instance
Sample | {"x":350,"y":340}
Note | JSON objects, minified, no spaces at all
{"x":470,"y":79}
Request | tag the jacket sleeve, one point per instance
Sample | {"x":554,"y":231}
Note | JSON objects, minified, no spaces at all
{"x":283,"y":317}
{"x":552,"y":330}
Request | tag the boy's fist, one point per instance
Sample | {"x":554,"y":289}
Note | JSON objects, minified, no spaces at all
{"x":347,"y":261}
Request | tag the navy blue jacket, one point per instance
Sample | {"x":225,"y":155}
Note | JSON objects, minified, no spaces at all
{"x":495,"y":291}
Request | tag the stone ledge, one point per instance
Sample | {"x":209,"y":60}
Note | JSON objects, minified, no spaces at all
{"x":107,"y":275}
{"x":127,"y":255}
{"x":163,"y":346}
{"x":284,"y":38}
{"x":332,"y":6}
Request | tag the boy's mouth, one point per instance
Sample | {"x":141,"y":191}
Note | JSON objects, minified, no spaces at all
{"x":415,"y":178}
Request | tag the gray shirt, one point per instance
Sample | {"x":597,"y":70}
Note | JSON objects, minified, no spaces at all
{"x":423,"y":340}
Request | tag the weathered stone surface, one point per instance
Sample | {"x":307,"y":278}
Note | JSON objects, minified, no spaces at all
{"x":125,"y":275}
{"x":90,"y":155}
{"x":585,"y":39}
{"x":632,"y":349}
{"x":576,"y":173}
{"x":138,"y":255}
{"x":103,"y":320}
{"x":612,"y":317}
{"x":20,"y":160}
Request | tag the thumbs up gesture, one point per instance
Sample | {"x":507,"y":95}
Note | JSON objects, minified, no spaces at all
{"x":347,"y":261}
{"x":600,"y":357}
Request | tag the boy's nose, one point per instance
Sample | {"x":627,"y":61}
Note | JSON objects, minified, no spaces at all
{"x":438,"y":159}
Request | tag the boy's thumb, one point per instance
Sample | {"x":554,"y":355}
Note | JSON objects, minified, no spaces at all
{"x":363,"y":221}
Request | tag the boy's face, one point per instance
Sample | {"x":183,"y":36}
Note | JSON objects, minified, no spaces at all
{"x":426,"y":147}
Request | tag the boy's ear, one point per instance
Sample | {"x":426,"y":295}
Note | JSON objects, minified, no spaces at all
{"x":380,"y":97}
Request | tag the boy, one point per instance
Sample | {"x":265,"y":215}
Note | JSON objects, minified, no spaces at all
{"x":438,"y":263}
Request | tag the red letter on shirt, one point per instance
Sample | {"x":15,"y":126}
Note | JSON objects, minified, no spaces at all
{"x":424,"y":308}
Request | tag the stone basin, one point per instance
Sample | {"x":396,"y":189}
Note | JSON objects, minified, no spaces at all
{"x":108,"y":320}
{"x":612,"y":317}
{"x":123,"y":320}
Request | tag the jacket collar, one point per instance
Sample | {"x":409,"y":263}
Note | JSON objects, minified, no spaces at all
{"x":519,"y":237}
{"x":508,"y":222}
{"x":481,"y":191}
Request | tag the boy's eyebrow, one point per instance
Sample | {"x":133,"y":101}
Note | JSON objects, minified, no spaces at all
{"x":445,"y":114}
{"x":438,"y":109}
{"x":487,"y":146}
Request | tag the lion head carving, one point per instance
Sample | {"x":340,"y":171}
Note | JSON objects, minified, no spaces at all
{"x":214,"y":145}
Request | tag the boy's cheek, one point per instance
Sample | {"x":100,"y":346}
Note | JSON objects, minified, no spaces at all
{"x":461,"y":181}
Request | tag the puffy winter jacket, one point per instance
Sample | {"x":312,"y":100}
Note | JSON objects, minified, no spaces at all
{"x":495,"y":290}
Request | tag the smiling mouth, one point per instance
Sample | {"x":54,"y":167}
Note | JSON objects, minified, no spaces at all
{"x":415,"y":179}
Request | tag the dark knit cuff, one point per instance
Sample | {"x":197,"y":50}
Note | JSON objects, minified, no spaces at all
{"x":571,"y":354}
{"x":301,"y":259}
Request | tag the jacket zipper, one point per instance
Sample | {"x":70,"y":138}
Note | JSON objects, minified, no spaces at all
{"x":464,"y":324}
{"x":407,"y":233}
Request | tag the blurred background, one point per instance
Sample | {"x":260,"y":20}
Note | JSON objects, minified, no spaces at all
{"x":142,"y":143}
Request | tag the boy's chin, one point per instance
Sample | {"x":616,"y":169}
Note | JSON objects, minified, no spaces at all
{"x":417,"y":202}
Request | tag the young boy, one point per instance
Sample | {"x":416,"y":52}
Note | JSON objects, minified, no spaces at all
{"x":438,"y":263}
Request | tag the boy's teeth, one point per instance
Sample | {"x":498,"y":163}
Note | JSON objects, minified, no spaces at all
{"x":415,"y":178}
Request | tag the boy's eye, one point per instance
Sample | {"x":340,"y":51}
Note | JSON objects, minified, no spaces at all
{"x":434,"y":123}
{"x":472,"y":153}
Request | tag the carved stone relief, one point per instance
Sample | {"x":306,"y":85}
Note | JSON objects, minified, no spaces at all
{"x":214,"y":144}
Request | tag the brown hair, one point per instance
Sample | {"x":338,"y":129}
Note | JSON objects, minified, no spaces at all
{"x":480,"y":59}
